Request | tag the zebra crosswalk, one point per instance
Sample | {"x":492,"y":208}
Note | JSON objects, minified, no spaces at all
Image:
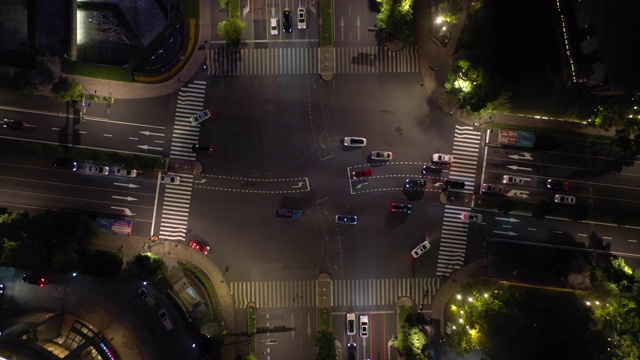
{"x":278,"y":61}
{"x":453,"y":240}
{"x":185,"y":134}
{"x":361,"y":292}
{"x":175,"y":208}
{"x":466,"y":147}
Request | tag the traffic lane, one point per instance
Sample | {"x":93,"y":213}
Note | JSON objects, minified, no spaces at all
{"x":562,"y":232}
{"x":121,"y":136}
{"x":353,"y":18}
{"x":286,"y":331}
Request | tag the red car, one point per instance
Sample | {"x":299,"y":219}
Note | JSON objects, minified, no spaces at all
{"x":203,"y":248}
{"x":359,"y":174}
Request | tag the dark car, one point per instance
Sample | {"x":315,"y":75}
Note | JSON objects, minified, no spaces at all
{"x":347,"y":219}
{"x":453,"y":184}
{"x":405,"y":208}
{"x":14,"y":124}
{"x":289,"y":213}
{"x":65,"y":164}
{"x":34,"y":279}
{"x":351,"y":351}
{"x":364,"y":173}
{"x":286,"y":21}
{"x":415,"y":184}
{"x":431,"y":169}
{"x":557,"y":185}
{"x":202,"y":148}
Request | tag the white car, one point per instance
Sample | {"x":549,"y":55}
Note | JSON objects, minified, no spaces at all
{"x":166,"y":321}
{"x":471,"y":217}
{"x":127,"y":172}
{"x":200,"y":117}
{"x":564,"y":199}
{"x":354,"y":141}
{"x":491,"y":189}
{"x":146,"y":296}
{"x":275,"y":28}
{"x":351,"y":324}
{"x":381,"y":155}
{"x":302,"y":18}
{"x":170,"y":179}
{"x":512,"y":180}
{"x":102,"y":170}
{"x":420,"y":249}
{"x":442,"y":158}
{"x":364,"y":326}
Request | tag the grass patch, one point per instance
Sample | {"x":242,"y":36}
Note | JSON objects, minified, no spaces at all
{"x":97,"y":71}
{"x":324,"y":318}
{"x":403,"y":312}
{"x":211,"y":293}
{"x":252,"y":327}
{"x":326,"y":28}
{"x":190,"y":9}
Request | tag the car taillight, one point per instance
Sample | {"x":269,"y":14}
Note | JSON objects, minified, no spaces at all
{"x":41,"y":282}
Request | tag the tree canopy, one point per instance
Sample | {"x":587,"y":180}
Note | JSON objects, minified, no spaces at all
{"x":396,"y":17}
{"x":325,"y":345}
{"x":67,"y":89}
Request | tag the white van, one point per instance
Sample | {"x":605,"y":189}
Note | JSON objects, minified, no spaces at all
{"x":274,"y":26}
{"x":166,"y":321}
{"x":146,"y":296}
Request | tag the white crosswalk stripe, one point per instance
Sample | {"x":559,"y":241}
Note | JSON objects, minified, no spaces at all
{"x":363,"y":292}
{"x":278,"y":61}
{"x":185,"y":134}
{"x":453,"y":240}
{"x":453,"y":244}
{"x":177,"y":197}
{"x":175,"y":209}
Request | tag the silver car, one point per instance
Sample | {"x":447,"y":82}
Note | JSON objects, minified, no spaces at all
{"x":381,"y":155}
{"x":354,"y":141}
{"x":564,"y":199}
{"x":512,"y":180}
{"x":170,"y":179}
{"x":200,"y":117}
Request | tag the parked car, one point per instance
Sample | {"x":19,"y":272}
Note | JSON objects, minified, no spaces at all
{"x":405,"y":208}
{"x":34,"y":278}
{"x":421,"y":249}
{"x":200,"y":117}
{"x":352,"y":352}
{"x":471,"y":217}
{"x":564,"y":199}
{"x":453,"y":184}
{"x":146,"y":296}
{"x":346,"y":219}
{"x":431,"y":169}
{"x":286,"y":21}
{"x":491,"y":189}
{"x":127,"y":172}
{"x":202,"y":247}
{"x":351,"y":324}
{"x":415,"y":184}
{"x":275,"y":28}
{"x":442,"y":158}
{"x":354,"y":141}
{"x":166,"y":321}
{"x":65,"y":164}
{"x":202,"y":148}
{"x":288,"y":213}
{"x":302,"y":18}
{"x":364,"y":326}
{"x":170,"y":179}
{"x":381,"y":155}
{"x":558,"y":185}
{"x":512,"y":180}
{"x":360,"y":174}
{"x":102,"y":170}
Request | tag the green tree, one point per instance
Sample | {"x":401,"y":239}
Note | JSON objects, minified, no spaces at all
{"x":151,"y":268}
{"x":231,"y":30}
{"x":448,"y":11}
{"x":396,"y":17}
{"x":103,"y":264}
{"x":411,"y":342}
{"x":325,"y":345}
{"x":250,"y":357}
{"x":67,"y":89}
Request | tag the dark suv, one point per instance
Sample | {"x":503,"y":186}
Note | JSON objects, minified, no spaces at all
{"x":431,"y":169}
{"x":286,"y":21}
{"x":414,"y":184}
{"x":66,"y":164}
{"x":34,"y":279}
{"x":453,"y":184}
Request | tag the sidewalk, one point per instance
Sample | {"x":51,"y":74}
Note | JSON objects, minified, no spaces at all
{"x":121,"y":90}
